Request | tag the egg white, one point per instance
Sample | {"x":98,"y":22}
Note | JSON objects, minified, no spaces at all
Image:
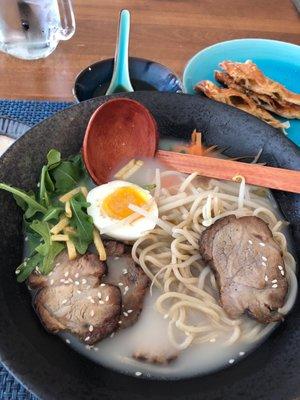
{"x":113,"y":227}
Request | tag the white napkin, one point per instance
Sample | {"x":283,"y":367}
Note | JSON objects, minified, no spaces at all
{"x":5,"y":142}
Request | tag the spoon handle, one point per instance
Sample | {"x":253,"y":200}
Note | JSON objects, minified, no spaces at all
{"x":120,"y":79}
{"x":254,"y":174}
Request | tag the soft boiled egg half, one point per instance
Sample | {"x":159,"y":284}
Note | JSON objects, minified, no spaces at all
{"x":110,"y":209}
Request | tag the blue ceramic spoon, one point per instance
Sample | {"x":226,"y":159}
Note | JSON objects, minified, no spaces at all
{"x":120,"y":81}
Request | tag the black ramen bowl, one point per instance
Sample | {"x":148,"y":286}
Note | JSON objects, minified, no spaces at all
{"x":51,"y":369}
{"x":94,"y":80}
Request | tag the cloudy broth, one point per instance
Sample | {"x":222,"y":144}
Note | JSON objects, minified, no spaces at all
{"x":150,"y":333}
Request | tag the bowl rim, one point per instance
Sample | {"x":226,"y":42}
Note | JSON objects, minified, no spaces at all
{"x":29,"y":377}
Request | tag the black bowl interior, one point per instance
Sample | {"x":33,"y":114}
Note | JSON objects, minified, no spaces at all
{"x":50,"y":368}
{"x":149,"y":75}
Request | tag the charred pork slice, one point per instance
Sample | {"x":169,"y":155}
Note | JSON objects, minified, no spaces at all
{"x":84,"y":313}
{"x":82,"y":272}
{"x":248,"y":266}
{"x":133,"y":283}
{"x":73,"y":299}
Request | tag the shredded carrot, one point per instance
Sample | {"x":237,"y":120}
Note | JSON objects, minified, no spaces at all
{"x":195,"y":147}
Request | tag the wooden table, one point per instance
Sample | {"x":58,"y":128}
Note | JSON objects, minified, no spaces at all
{"x":168,"y":31}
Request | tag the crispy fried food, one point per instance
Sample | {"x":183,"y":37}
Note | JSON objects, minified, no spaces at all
{"x":250,"y":77}
{"x":288,"y":110}
{"x":237,"y":99}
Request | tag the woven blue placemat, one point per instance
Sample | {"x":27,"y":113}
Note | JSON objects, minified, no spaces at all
{"x":30,"y":113}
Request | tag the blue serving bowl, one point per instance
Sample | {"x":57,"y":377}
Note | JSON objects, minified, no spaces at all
{"x":278,"y":60}
{"x":94,"y":80}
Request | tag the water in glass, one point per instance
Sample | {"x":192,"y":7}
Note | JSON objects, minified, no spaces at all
{"x":31,"y":29}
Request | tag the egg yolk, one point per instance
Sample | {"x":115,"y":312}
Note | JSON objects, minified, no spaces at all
{"x":116,"y":204}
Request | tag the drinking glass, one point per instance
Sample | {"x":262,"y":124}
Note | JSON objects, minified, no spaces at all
{"x":31,"y":29}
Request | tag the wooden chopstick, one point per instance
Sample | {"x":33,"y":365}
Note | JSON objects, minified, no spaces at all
{"x":259,"y":175}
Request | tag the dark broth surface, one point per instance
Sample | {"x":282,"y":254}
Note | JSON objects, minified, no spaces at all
{"x":136,"y":83}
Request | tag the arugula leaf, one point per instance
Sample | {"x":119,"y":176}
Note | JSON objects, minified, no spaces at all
{"x":49,"y":250}
{"x":48,"y":260}
{"x":80,"y":244}
{"x":46,"y":183}
{"x":25,"y":200}
{"x":24,"y":270}
{"x":53,"y":213}
{"x":53,"y":158}
{"x":42,"y":228}
{"x":33,"y":241}
{"x":43,"y":194}
{"x":80,"y":220}
{"x":66,"y":177}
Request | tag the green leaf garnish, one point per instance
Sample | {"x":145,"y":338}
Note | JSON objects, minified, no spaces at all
{"x":26,"y":200}
{"x":28,"y":266}
{"x":80,"y":220}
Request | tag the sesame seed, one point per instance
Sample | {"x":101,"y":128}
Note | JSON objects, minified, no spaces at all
{"x":78,"y":291}
{"x":76,"y":275}
{"x":93,"y":301}
{"x":129,"y":311}
{"x":68,"y":341}
{"x":64,"y":301}
{"x":264,"y":258}
{"x":102,"y":284}
{"x":91,"y":328}
{"x":212,"y":340}
{"x":89,"y":68}
{"x":274,"y":286}
{"x":125,"y":314}
{"x":241,"y":353}
{"x":92,"y":313}
{"x":125,"y":271}
{"x":87,"y":339}
{"x":17,"y":271}
{"x":280,"y":267}
{"x":96,"y":348}
{"x":50,"y":273}
{"x":57,"y":265}
{"x":250,"y":241}
{"x":106,"y":298}
{"x":138,"y":373}
{"x":52,"y":281}
{"x":99,"y":295}
{"x":282,"y":272}
{"x":101,"y":302}
{"x":119,"y":322}
{"x":38,"y":184}
{"x":262,"y":244}
{"x":266,"y":278}
{"x":76,"y":283}
{"x":113,"y":334}
{"x":264,"y":264}
{"x":120,"y":284}
{"x":116,"y":258}
{"x":166,"y":316}
{"x":26,"y":238}
{"x":84,"y":281}
{"x":126,"y":289}
{"x":62,"y":280}
{"x":88,"y":287}
{"x":88,"y":347}
{"x":231,"y":361}
{"x":66,"y":274}
{"x":274,"y":281}
{"x":70,"y":280}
